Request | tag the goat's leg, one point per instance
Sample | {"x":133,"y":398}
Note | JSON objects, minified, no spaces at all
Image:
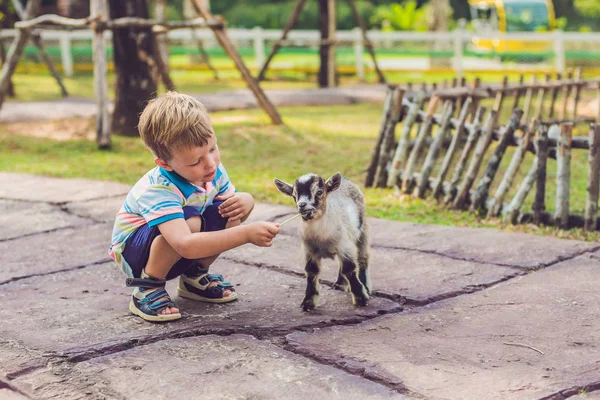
{"x":363,"y":262}
{"x":360,"y":296}
{"x":311,"y":297}
{"x":341,"y":283}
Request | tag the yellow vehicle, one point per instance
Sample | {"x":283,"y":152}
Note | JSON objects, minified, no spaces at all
{"x":493,"y":16}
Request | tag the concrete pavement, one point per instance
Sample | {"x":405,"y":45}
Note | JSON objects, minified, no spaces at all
{"x":456,"y":314}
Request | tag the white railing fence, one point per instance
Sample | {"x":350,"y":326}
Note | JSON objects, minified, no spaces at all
{"x":415,"y":46}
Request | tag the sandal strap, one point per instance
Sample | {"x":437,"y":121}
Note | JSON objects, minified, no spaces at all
{"x":154,"y":302}
{"x":156,"y":295}
{"x":145,"y":282}
{"x":208,"y":278}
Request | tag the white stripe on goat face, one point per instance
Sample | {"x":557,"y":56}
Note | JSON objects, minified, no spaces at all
{"x":306,"y":189}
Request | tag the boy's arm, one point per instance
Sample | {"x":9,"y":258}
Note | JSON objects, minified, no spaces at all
{"x":205,"y":244}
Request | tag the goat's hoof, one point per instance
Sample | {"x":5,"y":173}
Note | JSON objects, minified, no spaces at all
{"x":361,"y":301}
{"x":341,"y":286}
{"x":309,"y":304}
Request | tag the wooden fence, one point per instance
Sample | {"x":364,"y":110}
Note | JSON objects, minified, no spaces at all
{"x":541,"y":120}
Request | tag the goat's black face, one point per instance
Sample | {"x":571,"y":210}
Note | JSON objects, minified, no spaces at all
{"x":310,"y":192}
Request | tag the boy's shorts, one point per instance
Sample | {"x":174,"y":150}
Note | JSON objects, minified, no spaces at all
{"x":137,"y":246}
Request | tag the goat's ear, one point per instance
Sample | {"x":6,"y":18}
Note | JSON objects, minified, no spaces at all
{"x":334,"y":182}
{"x":284,"y":187}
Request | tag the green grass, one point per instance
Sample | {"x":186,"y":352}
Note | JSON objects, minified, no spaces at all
{"x":316,"y":139}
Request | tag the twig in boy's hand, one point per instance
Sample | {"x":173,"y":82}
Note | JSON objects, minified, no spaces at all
{"x":289,"y":219}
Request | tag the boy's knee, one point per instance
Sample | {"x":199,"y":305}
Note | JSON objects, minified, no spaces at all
{"x":195,"y":223}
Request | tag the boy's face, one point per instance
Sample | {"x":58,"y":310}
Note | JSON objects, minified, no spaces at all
{"x":197,"y":165}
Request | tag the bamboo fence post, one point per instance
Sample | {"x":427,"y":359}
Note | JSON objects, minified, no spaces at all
{"x":518,"y":93}
{"x":368,"y":44}
{"x":597,"y":99}
{"x":331,"y":29}
{"x":482,"y":145}
{"x":474,"y":134}
{"x":401,"y":153}
{"x":434,"y":150}
{"x":577,"y":92}
{"x":541,"y":146}
{"x":500,"y":96}
{"x":591,"y":202}
{"x":512,"y":210}
{"x":539,"y":104}
{"x":291,"y":22}
{"x":372,"y":169}
{"x":554,"y":96}
{"x":221,"y":35}
{"x":539,"y":202}
{"x":16,"y":50}
{"x":496,"y":202}
{"x":567,"y":94}
{"x":37,"y":41}
{"x":527,"y":101}
{"x":416,"y":151}
{"x":563,"y":175}
{"x":439,"y":184}
{"x":99,"y":15}
{"x":161,"y":46}
{"x":388,"y":138}
{"x":481,"y":192}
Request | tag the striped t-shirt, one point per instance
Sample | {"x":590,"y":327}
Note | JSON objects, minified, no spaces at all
{"x":160,"y":196}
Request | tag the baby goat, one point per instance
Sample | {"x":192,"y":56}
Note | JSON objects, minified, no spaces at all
{"x":334,"y":224}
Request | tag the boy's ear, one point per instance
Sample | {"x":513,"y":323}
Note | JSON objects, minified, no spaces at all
{"x":334,"y":182}
{"x":163,"y":164}
{"x":284,"y":187}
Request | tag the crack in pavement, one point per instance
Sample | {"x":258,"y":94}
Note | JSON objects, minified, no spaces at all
{"x":46,"y":231}
{"x":67,"y":269}
{"x":397,"y":298}
{"x":354,"y":368}
{"x":261,"y":333}
{"x":534,"y":268}
{"x":573,"y":391}
{"x":7,"y":385}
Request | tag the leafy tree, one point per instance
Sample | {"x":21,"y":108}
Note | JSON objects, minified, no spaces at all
{"x":407,"y":17}
{"x":590,"y":8}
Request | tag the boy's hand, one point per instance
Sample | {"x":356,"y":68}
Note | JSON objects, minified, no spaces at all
{"x":237,"y":206}
{"x":262,"y":233}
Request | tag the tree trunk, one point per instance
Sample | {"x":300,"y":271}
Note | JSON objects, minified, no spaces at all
{"x":133,"y":59}
{"x":326,"y":50}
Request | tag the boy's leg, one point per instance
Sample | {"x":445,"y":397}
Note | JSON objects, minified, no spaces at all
{"x":197,"y":276}
{"x":207,"y":261}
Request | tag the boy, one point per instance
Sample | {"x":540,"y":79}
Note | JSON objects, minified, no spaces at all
{"x":182,"y":214}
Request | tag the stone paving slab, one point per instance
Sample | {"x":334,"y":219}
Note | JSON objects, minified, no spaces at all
{"x":54,"y":251}
{"x":6,"y":394}
{"x":479,"y":245}
{"x":455,"y":348}
{"x":56,"y":190}
{"x":236,"y":366}
{"x":96,"y":303}
{"x":100,"y":210}
{"x":25,"y":218}
{"x":418,"y":277}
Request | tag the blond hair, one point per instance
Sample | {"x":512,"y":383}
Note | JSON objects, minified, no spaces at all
{"x":174,"y":121}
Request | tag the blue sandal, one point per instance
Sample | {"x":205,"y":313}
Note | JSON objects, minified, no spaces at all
{"x":194,"y":284}
{"x":150,"y":298}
